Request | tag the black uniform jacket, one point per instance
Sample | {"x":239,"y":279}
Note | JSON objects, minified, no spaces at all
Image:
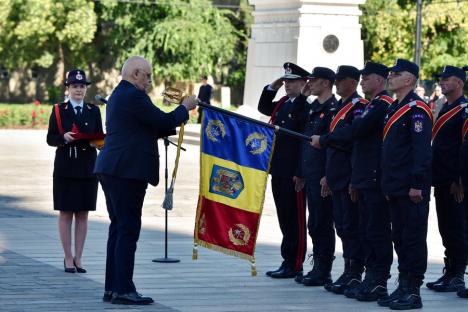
{"x":75,"y":159}
{"x":406,"y":153}
{"x":285,"y":158}
{"x":338,"y":168}
{"x":133,"y":126}
{"x":313,"y":160}
{"x":464,"y":152}
{"x":366,"y":133}
{"x":446,"y":147}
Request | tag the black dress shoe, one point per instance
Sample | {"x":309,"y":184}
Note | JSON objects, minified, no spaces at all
{"x":78,"y":269}
{"x":130,"y":298}
{"x":107,"y":296}
{"x":284,"y":273}
{"x":268,"y":273}
{"x":68,"y":270}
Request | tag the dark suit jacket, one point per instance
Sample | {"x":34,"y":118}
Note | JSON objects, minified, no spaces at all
{"x":133,"y":125}
{"x":75,"y":159}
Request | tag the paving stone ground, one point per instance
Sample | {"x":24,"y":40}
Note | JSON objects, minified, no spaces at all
{"x":31,"y":259}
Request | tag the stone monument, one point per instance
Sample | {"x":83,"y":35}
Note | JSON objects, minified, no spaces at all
{"x":306,"y":32}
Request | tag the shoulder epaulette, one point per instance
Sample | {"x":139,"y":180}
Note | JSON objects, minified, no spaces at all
{"x":387,"y":99}
{"x":423,"y":106}
{"x":360,"y":100}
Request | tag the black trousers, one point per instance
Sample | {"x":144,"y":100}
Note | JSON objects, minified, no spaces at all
{"x":290,"y":208}
{"x":346,"y":218}
{"x":320,"y":221}
{"x":409,"y":234}
{"x":124,"y":199}
{"x":374,"y":218}
{"x":451,"y":221}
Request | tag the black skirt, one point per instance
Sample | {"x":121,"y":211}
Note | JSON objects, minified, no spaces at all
{"x":75,"y":194}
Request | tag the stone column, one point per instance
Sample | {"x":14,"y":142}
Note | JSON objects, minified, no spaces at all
{"x":306,"y":32}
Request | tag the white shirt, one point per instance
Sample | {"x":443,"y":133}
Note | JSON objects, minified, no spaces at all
{"x":75,"y":104}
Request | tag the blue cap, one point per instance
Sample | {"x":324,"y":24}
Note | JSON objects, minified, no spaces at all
{"x":450,"y":71}
{"x":293,"y":72}
{"x":405,"y":65}
{"x":375,"y":68}
{"x":324,"y":73}
{"x":76,"y":76}
{"x":346,"y":71}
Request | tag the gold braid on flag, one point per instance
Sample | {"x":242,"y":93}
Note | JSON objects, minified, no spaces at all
{"x":174,"y":96}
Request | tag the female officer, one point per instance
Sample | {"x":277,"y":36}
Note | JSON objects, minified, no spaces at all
{"x":71,"y":125}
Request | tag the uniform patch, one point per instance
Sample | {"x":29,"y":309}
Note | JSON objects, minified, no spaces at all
{"x":416,"y":116}
{"x":418,"y":126}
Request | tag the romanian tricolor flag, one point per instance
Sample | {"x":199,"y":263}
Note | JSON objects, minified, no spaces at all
{"x":235,"y":158}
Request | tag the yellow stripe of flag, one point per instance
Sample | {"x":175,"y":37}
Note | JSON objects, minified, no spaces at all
{"x":252,"y":195}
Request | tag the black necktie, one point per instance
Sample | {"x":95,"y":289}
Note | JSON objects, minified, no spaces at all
{"x":78,"y":111}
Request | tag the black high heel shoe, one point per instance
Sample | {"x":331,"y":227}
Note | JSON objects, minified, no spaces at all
{"x":68,"y":270}
{"x":78,"y":269}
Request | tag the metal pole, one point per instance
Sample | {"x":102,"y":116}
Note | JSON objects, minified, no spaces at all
{"x":417,"y":50}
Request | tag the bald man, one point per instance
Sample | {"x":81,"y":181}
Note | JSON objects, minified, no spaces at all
{"x":125,"y":166}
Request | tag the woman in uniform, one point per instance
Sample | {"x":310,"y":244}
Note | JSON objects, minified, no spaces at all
{"x":71,"y":126}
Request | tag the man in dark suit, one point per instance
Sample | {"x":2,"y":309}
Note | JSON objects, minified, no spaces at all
{"x":125,"y":166}
{"x":205,"y":93}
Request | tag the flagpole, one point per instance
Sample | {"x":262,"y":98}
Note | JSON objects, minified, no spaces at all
{"x":294,"y":134}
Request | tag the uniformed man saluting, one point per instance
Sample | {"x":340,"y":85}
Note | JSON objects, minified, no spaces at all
{"x":290,"y":205}
{"x":446,"y":179}
{"x":406,"y":168}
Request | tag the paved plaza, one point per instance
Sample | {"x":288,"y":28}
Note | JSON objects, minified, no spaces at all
{"x":31,"y":258}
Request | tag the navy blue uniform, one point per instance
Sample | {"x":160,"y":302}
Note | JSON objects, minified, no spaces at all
{"x":74,"y":184}
{"x":205,"y":93}
{"x":338,"y":173}
{"x":374,"y":219}
{"x":464,"y":165}
{"x":125,"y":166}
{"x":406,"y":163}
{"x":290,"y":205}
{"x":445,"y":171}
{"x":312,"y":169}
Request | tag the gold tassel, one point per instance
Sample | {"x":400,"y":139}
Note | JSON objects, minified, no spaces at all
{"x":195,"y":252}
{"x":253,"y":268}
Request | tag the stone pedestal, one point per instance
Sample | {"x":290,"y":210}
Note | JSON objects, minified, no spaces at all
{"x":306,"y":32}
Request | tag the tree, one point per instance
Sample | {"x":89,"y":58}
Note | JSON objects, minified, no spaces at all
{"x":182,"y":39}
{"x":389,"y":27}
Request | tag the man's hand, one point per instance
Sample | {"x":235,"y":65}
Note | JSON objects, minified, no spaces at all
{"x":325,"y":191}
{"x":306,"y":90}
{"x":190,"y":102}
{"x":353,"y":193}
{"x":315,"y":141}
{"x":415,"y":195}
{"x":457,"y":191}
{"x":68,"y":137}
{"x":298,"y":183}
{"x":277,"y":84}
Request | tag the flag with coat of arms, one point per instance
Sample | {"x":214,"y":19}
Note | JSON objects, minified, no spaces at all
{"x":235,"y":157}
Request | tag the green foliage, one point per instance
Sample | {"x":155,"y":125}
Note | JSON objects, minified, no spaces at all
{"x":39,"y":32}
{"x":183,"y":39}
{"x":24,"y":115}
{"x":389,"y":28}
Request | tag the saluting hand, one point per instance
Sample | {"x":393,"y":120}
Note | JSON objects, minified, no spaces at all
{"x":306,"y":90}
{"x":415,"y":195}
{"x":68,"y":137}
{"x":278,"y":83}
{"x":190,"y":102}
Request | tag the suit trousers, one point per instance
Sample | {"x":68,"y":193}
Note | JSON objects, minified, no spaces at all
{"x":451,"y":221}
{"x":124,"y":199}
{"x":290,"y":208}
{"x":320,"y":222}
{"x":409,"y":234}
{"x":346,"y":218}
{"x":376,"y":232}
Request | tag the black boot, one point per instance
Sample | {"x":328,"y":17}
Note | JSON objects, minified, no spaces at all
{"x":454,"y":277}
{"x":463,"y":293}
{"x":340,"y":279}
{"x":373,"y":288}
{"x":320,"y":274}
{"x":410,"y":299}
{"x":396,"y":294}
{"x":352,"y":279}
{"x":444,"y":276}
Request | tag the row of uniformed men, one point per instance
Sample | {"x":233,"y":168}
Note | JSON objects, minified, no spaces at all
{"x":367,"y":174}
